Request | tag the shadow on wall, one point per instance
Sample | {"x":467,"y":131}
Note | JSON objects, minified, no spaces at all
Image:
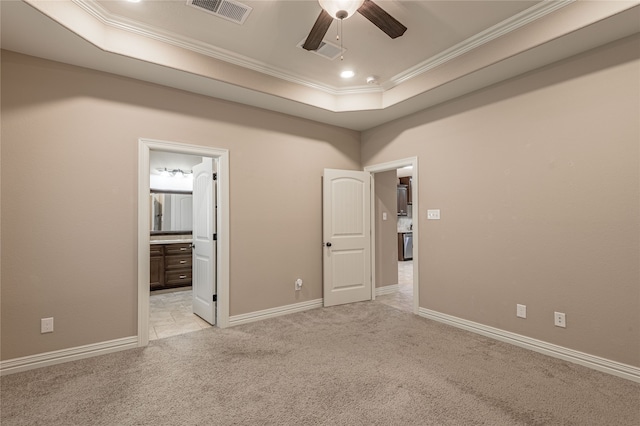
{"x":131,"y":92}
{"x":617,"y":53}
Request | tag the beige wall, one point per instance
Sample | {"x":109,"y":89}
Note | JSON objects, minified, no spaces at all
{"x":538,"y":183}
{"x":537,"y":179}
{"x":69,"y":198}
{"x":386,"y":184}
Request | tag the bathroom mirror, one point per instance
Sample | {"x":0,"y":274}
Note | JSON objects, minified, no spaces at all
{"x":171,"y":212}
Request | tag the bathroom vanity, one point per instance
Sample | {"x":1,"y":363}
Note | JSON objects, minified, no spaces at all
{"x":170,"y":265}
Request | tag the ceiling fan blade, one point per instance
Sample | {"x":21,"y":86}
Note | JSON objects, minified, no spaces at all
{"x":382,"y":19}
{"x":318,"y":31}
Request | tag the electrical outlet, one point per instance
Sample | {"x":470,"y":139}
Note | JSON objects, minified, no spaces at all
{"x":298,"y":284}
{"x":559,"y":319}
{"x":46,"y":325}
{"x":521,"y":311}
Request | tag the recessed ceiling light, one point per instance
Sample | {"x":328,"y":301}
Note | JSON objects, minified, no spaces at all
{"x":133,"y":1}
{"x":347,"y":74}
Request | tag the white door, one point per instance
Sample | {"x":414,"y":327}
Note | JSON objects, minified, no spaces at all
{"x":347,"y":236}
{"x":204,"y":241}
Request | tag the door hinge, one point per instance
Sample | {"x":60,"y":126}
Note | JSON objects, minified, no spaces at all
{"x":215,"y":176}
{"x":215,"y":297}
{"x":215,"y":237}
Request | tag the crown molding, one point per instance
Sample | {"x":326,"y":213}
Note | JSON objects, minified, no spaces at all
{"x":517,"y":21}
{"x":502,"y":28}
{"x":118,"y":22}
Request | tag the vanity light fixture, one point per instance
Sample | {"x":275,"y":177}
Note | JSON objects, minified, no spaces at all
{"x":174,"y":172}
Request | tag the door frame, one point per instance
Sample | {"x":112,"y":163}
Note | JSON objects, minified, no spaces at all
{"x":385,"y":167}
{"x":222,"y":256}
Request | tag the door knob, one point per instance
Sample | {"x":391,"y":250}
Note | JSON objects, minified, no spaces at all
{"x":328,"y":244}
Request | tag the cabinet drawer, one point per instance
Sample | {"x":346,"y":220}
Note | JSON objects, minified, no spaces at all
{"x":177,"y":249}
{"x":177,"y":262}
{"x":177,"y":277}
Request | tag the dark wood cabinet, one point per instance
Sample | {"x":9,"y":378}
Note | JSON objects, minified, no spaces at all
{"x":402,"y":200}
{"x":156,"y":261}
{"x":407,"y":181}
{"x":156,"y":274}
{"x":170,"y":265}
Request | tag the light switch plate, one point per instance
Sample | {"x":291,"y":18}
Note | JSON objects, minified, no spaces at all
{"x":384,"y":215}
{"x":433,"y":214}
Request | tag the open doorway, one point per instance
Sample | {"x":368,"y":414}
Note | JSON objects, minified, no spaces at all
{"x":404,"y":180}
{"x":164,"y":171}
{"x":171,"y":310}
{"x":395,"y":233}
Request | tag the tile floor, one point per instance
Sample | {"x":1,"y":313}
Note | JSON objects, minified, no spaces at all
{"x":170,"y":314}
{"x":403,"y":298}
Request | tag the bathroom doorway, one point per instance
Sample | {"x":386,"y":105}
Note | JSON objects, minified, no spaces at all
{"x":172,"y":287}
{"x":171,"y":310}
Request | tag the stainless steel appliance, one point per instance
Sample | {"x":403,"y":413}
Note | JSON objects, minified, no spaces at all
{"x":405,"y":246}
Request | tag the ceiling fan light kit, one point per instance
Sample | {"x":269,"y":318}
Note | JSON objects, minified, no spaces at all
{"x":341,"y":9}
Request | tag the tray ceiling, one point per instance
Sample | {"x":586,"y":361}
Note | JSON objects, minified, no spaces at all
{"x":450,"y":48}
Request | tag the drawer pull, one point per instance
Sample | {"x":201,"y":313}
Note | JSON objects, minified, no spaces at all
{"x":182,"y":277}
{"x":183,"y":261}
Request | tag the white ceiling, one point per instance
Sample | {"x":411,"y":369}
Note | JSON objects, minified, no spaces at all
{"x":450,"y":48}
{"x":273,"y":29}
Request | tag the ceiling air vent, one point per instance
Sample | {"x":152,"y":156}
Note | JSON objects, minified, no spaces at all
{"x":326,"y":49}
{"x":227,"y":9}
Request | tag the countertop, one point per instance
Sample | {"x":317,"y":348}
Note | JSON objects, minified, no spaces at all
{"x":174,"y":241}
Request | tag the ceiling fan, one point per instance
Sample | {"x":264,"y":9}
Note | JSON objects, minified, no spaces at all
{"x":342,"y":9}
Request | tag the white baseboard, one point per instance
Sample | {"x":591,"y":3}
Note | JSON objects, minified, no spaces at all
{"x":274,"y":312}
{"x":625,"y":371}
{"x":615,"y":368}
{"x":65,"y":355}
{"x":72,"y":354}
{"x":387,"y":289}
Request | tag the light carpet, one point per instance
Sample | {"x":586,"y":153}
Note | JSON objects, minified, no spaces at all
{"x":360,"y":364}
